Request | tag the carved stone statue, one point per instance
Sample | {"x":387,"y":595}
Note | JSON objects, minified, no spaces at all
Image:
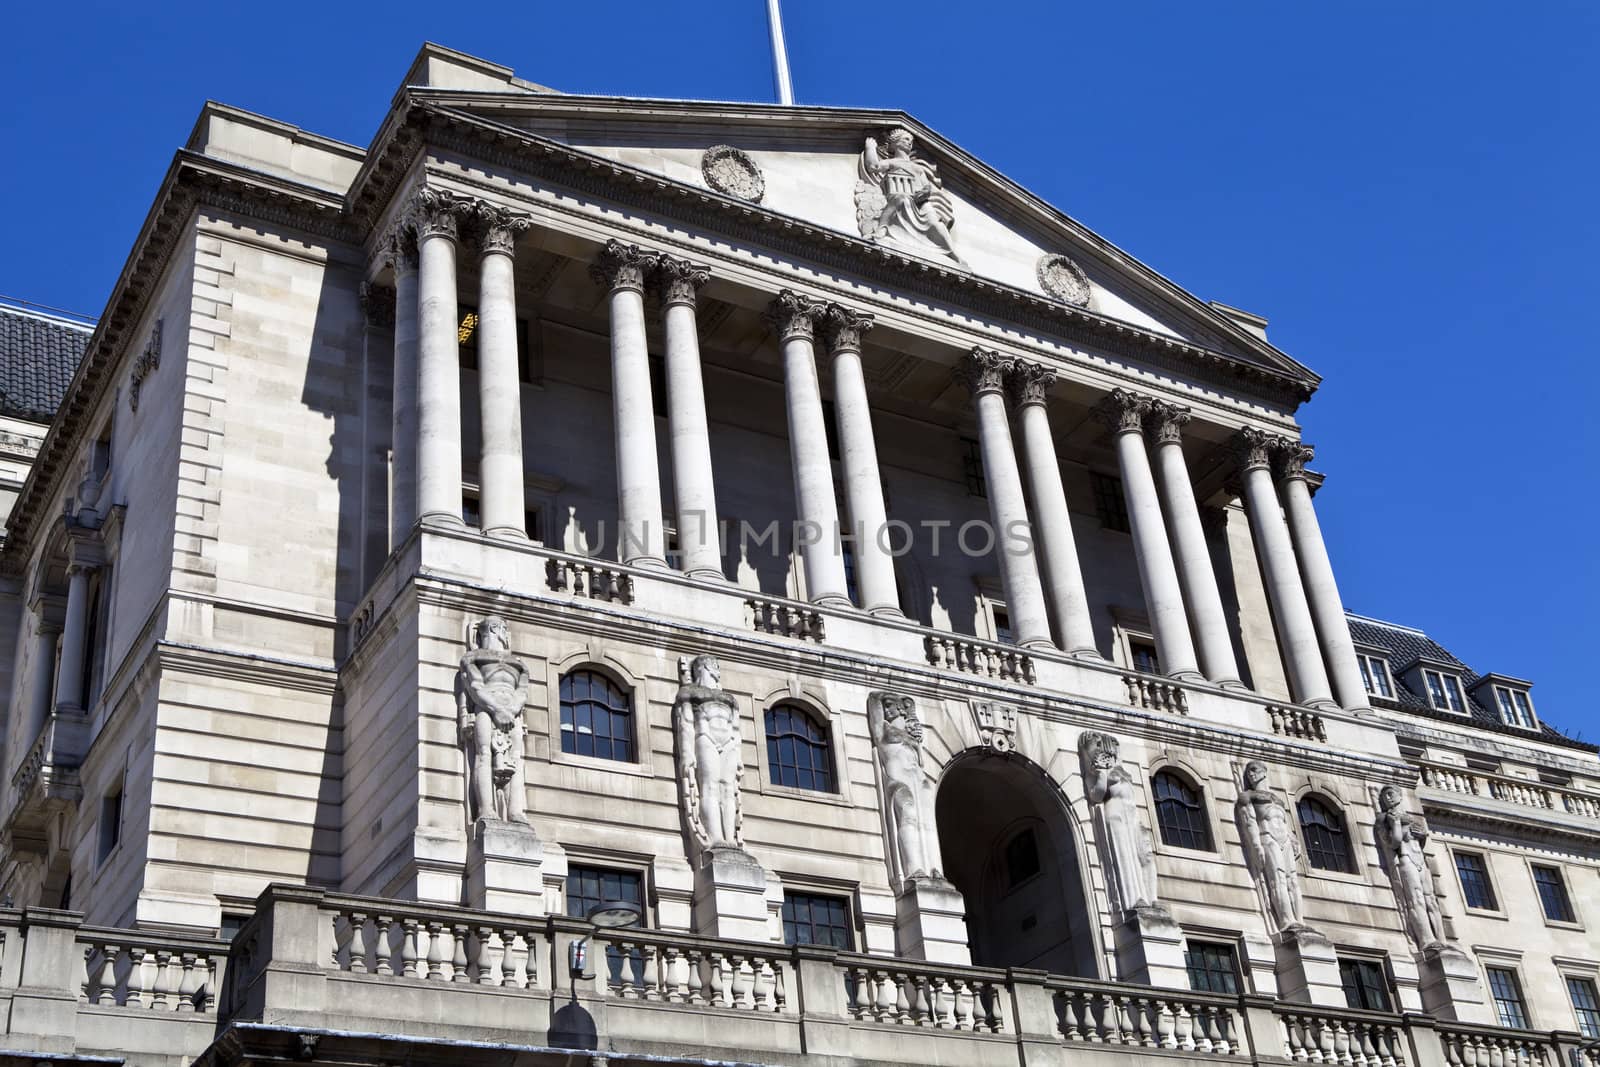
{"x":710,"y":757}
{"x":1402,"y":838}
{"x":1125,"y":842}
{"x":490,"y":693}
{"x":900,"y":200}
{"x":897,"y":737}
{"x":1271,"y":848}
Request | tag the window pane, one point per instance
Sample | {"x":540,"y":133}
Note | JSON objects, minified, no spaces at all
{"x":1452,"y":691}
{"x":1212,"y":967}
{"x":1364,"y":984}
{"x":1145,"y":660}
{"x":813,"y":919}
{"x":1435,"y":688}
{"x":588,"y":887}
{"x":1553,"y":894}
{"x":1524,"y":709}
{"x":1327,"y":846}
{"x":1109,"y":502}
{"x":1586,"y":1005}
{"x":1180,"y":814}
{"x":798,"y":753}
{"x":1380,"y":674}
{"x":1366,"y":674}
{"x":596,"y":717}
{"x":1507,"y":998}
{"x":1475,"y":885}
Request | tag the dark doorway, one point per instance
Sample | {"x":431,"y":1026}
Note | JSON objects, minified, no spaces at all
{"x":1008,"y":845}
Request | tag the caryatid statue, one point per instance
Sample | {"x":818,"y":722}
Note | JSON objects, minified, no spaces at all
{"x":1402,"y":838}
{"x":897,"y":738}
{"x":1125,"y":841}
{"x":900,"y":200}
{"x":1271,"y":848}
{"x":710,"y":756}
{"x":490,"y":693}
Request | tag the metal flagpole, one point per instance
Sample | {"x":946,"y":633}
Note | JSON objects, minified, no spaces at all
{"x":780,"y":55}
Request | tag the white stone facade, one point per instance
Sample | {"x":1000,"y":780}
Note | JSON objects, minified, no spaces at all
{"x":410,"y":388}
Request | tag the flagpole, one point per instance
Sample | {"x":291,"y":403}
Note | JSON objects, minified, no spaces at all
{"x":780,"y":55}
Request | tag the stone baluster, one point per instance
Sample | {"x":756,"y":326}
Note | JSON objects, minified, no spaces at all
{"x":984,"y":373}
{"x":1125,"y":413}
{"x":502,"y":500}
{"x":687,"y":429}
{"x":1308,"y":678}
{"x":435,"y":218}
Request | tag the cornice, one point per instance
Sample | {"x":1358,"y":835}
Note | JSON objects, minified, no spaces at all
{"x":1444,"y":810}
{"x":423,"y":123}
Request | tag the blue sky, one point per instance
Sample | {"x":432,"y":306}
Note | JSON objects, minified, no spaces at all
{"x":1405,"y":191}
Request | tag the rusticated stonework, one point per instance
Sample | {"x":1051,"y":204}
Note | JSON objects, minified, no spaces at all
{"x":732,"y":172}
{"x":1063,"y":279}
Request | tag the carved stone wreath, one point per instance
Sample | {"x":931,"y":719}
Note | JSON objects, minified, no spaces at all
{"x":1063,"y":279}
{"x":728,"y":170}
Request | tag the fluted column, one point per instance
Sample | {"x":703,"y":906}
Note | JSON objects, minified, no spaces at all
{"x":1063,"y":575}
{"x":858,"y":455}
{"x":621,"y":269}
{"x":687,"y":430}
{"x":403,"y":415}
{"x":74,"y":633}
{"x":1297,"y":635}
{"x":1125,"y":413}
{"x":1327,"y":608}
{"x":984,"y":373}
{"x":1196,"y":575}
{"x":502,"y":497}
{"x":795,"y":318}
{"x":438,"y":359}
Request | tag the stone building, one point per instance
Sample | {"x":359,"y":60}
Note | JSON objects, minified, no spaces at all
{"x":434,"y":636}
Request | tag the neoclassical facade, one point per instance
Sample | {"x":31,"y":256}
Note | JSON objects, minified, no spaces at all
{"x":595,"y":580}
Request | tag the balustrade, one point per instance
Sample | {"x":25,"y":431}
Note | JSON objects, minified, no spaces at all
{"x":1486,"y":1046}
{"x":888,"y":991}
{"x":785,"y":618}
{"x":672,"y":969}
{"x":1449,"y":779}
{"x":413,"y":942}
{"x":988,"y":659}
{"x":1352,"y":1039}
{"x":132,"y":969}
{"x":1156,"y":694}
{"x":1297,"y":722}
{"x":1147,"y":1017}
{"x":586,"y":578}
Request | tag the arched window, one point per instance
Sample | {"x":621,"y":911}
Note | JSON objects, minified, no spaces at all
{"x":1181,"y":812}
{"x":596,"y":716}
{"x":1327,"y":842}
{"x":798,"y":754}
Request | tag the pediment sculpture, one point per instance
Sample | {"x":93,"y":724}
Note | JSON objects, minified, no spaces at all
{"x":491,"y":691}
{"x":900,"y":200}
{"x":1126,"y":846}
{"x":705,"y":722}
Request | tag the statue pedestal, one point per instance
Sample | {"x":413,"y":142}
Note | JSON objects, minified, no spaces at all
{"x":730,"y":895}
{"x":1149,"y":947}
{"x":929,"y":923}
{"x":1308,"y":969}
{"x":503,"y":868}
{"x":1450,"y":987}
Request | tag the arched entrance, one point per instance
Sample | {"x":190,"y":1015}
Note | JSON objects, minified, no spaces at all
{"x":1007,"y":841}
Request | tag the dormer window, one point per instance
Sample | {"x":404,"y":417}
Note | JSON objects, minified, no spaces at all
{"x":1375,"y":675}
{"x":1444,"y":691}
{"x":1515,"y":707}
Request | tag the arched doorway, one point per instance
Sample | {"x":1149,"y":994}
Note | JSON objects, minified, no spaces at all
{"x":1007,"y":841}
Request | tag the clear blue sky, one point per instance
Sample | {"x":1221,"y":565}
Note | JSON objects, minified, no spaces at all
{"x":1405,"y":190}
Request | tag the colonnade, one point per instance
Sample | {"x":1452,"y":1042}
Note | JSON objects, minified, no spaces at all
{"x":1040,"y":568}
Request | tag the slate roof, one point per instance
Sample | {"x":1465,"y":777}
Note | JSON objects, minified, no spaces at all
{"x":1404,"y":646}
{"x":38,"y":355}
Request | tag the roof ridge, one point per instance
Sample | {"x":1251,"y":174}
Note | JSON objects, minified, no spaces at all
{"x":1391,"y":625}
{"x":45,"y":313}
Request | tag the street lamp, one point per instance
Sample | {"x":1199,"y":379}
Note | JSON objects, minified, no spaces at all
{"x":606,"y":915}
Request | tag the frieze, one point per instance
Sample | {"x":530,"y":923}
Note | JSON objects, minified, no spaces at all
{"x":1063,"y":279}
{"x":732,"y":172}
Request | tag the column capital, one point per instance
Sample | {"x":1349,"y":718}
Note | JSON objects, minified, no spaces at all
{"x":377,"y":302}
{"x":1167,"y":421}
{"x":496,"y":227}
{"x":398,"y":248}
{"x":1292,"y":459}
{"x":1254,"y":448}
{"x":983,"y":370}
{"x":435,"y":213}
{"x":679,"y":280}
{"x":794,"y":315}
{"x":1124,"y":411}
{"x":621,"y":266}
{"x":844,"y":328}
{"x":1029,"y":382}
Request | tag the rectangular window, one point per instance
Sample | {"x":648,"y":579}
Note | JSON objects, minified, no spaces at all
{"x":814,"y":919}
{"x":110,"y":823}
{"x":1553,"y":894}
{"x":972,"y":467}
{"x":1475,"y":884}
{"x":589,"y":887}
{"x":1022,"y":858}
{"x":1109,"y":502}
{"x":1444,"y":691}
{"x":1515,"y":709}
{"x":1375,"y":675}
{"x":1585,"y":1005}
{"x":1143,"y":654}
{"x":1507,"y":993}
{"x":1365,"y":985}
{"x":1002,"y":624}
{"x":1213,"y":968}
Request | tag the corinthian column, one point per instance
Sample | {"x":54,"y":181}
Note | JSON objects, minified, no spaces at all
{"x":858,"y":455}
{"x":621,"y":269}
{"x":74,"y":635}
{"x":984,"y":373}
{"x":795,"y":318}
{"x":1063,"y":578}
{"x":438,"y":359}
{"x":501,"y":494}
{"x":1195,"y":572}
{"x":1125,"y":413}
{"x":403,"y":416}
{"x":1308,"y":679}
{"x":1327,"y":609}
{"x":686,"y":419}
